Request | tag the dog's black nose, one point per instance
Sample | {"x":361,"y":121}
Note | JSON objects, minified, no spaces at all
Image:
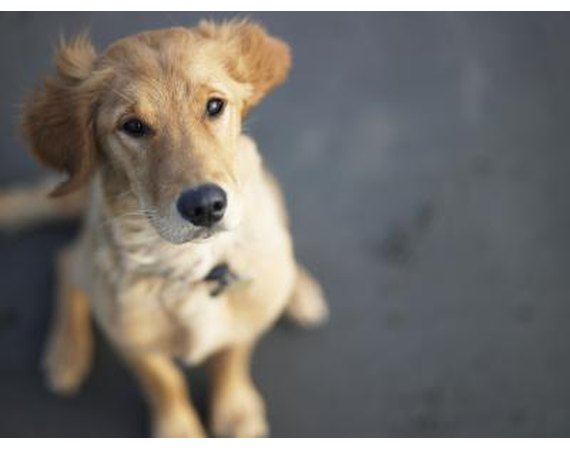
{"x":203,"y":206}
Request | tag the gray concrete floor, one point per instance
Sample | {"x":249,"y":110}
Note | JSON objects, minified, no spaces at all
{"x":425,"y":158}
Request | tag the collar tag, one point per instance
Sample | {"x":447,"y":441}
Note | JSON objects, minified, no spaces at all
{"x":225,"y":280}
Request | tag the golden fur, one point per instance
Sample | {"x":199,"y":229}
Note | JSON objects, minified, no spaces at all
{"x":137,"y":266}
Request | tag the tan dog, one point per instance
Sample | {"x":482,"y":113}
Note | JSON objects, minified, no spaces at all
{"x":149,"y":134}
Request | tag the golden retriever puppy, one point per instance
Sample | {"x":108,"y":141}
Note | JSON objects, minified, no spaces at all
{"x":185,"y":252}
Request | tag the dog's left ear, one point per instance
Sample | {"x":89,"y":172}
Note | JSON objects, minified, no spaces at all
{"x":252,"y":56}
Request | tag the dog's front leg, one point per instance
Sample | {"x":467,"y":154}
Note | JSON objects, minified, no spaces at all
{"x":164,"y":386}
{"x":237,"y":408}
{"x":69,"y":351}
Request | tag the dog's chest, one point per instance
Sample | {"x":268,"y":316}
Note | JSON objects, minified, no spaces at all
{"x":161,"y":300}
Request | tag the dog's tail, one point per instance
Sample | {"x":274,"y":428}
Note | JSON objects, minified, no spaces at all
{"x":26,"y":207}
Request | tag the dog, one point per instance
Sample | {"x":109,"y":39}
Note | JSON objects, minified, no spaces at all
{"x":184,"y":254}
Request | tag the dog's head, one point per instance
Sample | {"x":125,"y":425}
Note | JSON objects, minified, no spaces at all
{"x":162,"y":111}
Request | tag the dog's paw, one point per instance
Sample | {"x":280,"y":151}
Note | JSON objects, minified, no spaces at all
{"x":307,"y":306}
{"x":240,"y":413}
{"x":63,"y":381}
{"x":65,"y":367}
{"x":178,"y":423}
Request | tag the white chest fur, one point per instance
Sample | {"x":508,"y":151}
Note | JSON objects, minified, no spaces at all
{"x":151,"y":295}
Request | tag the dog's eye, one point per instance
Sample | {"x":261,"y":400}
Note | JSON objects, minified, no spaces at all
{"x":135,"y":128}
{"x":214,"y":107}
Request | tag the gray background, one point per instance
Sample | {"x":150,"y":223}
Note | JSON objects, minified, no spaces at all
{"x":425,"y":159}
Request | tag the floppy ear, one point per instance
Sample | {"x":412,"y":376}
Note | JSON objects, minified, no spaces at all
{"x":252,"y":56}
{"x":58,"y":117}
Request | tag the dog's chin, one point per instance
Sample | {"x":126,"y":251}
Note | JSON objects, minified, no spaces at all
{"x":186,"y":236}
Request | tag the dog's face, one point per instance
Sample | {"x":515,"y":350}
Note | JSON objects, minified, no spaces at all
{"x":161,"y":111}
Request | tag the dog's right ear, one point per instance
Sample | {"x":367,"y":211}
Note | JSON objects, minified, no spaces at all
{"x":58,"y":117}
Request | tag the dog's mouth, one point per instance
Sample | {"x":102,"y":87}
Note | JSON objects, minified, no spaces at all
{"x":207,"y":234}
{"x":181,"y":233}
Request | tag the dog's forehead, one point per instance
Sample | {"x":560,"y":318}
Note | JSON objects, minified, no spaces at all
{"x":174,"y":52}
{"x":164,"y":65}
